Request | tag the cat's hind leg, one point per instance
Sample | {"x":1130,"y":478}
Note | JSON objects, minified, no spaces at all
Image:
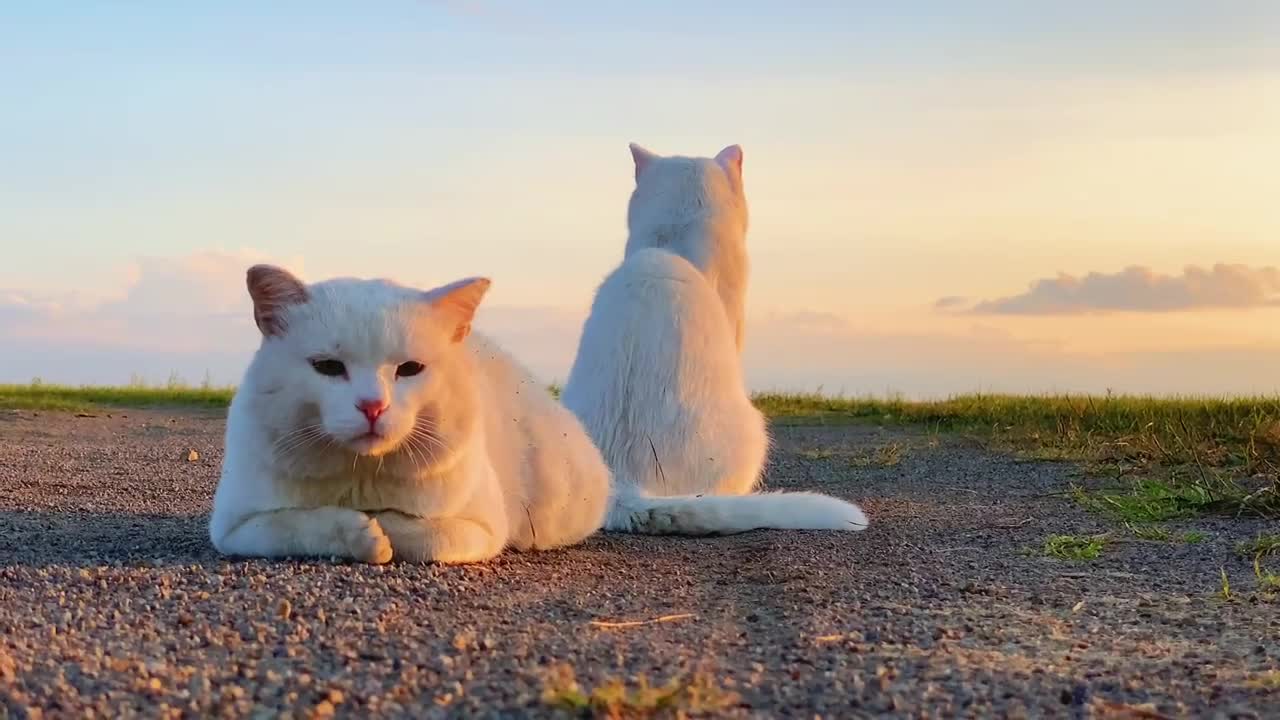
{"x":292,"y":532}
{"x":443,"y":540}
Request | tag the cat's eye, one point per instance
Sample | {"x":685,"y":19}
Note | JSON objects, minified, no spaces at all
{"x":329,"y":367}
{"x":409,"y":369}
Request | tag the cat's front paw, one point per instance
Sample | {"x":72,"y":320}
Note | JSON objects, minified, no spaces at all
{"x":365,"y":540}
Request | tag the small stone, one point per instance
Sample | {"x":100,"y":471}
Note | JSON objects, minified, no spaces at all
{"x":192,"y":456}
{"x":463,"y":640}
{"x":284,"y":609}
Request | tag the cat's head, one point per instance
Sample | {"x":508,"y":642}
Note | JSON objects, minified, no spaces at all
{"x":366,"y":365}
{"x":677,"y":190}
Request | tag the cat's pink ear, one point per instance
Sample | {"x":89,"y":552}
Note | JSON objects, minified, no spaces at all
{"x":273,"y":289}
{"x":458,"y":301}
{"x":642,"y":157}
{"x":730,"y":159}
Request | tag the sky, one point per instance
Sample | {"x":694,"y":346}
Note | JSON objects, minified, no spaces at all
{"x":945,"y":197}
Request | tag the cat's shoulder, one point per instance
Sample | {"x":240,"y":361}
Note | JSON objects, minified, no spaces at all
{"x":657,"y":263}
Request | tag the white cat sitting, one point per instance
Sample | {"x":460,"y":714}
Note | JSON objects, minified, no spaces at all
{"x":372,"y":423}
{"x":657,"y":380}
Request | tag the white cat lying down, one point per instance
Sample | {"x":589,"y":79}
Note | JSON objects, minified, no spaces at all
{"x":372,"y":423}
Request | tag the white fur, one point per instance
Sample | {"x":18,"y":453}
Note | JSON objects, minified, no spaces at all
{"x":657,"y":380}
{"x":474,"y":454}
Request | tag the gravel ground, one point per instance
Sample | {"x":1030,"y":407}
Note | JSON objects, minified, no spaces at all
{"x":113,"y":603}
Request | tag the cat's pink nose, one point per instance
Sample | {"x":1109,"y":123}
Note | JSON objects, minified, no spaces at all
{"x":372,"y":409}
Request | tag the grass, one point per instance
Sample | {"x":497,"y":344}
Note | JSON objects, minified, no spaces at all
{"x":40,"y":396}
{"x":618,"y":699}
{"x":1167,"y":458}
{"x":1157,"y":533}
{"x":886,"y":455}
{"x":1260,"y":547}
{"x":883,"y":456}
{"x":1268,"y":582}
{"x":1074,"y":547}
{"x":1152,"y":500}
{"x":1210,"y":432}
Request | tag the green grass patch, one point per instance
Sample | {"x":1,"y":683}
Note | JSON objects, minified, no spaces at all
{"x":39,"y":396}
{"x":1150,"y":500}
{"x":1153,"y":533}
{"x":1159,"y":533}
{"x":1171,"y":457}
{"x":1074,"y":547}
{"x":1214,"y":432}
{"x":1260,"y":547}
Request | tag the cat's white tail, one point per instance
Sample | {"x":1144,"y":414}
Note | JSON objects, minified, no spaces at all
{"x":633,"y":512}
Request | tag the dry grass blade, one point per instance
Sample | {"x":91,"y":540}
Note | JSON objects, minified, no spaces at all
{"x":609,"y":625}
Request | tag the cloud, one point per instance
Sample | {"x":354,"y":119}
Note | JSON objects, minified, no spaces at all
{"x":1138,"y":289}
{"x":184,"y":304}
{"x":950,"y":301}
{"x":191,"y":316}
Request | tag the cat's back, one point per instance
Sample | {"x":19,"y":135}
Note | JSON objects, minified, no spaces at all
{"x":657,"y":309}
{"x":657,"y":342}
{"x":657,"y":372}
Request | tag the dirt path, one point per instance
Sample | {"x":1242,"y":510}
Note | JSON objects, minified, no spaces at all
{"x":111,"y":598}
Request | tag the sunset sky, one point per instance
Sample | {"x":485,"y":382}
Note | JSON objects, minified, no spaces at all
{"x":945,"y":197}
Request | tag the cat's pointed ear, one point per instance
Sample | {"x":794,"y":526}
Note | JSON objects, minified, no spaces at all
{"x":730,"y":159}
{"x":457,"y":302}
{"x":642,"y":157}
{"x":273,"y":289}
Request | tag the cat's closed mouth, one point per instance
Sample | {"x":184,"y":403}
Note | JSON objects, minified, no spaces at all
{"x":366,"y":442}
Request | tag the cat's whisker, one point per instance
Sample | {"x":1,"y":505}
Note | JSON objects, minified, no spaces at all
{"x":428,"y":435}
{"x":428,"y":450}
{"x":428,"y":443}
{"x":299,"y":441}
{"x":412,"y":453}
{"x":301,"y":429}
{"x":306,"y":440}
{"x":417,"y":459}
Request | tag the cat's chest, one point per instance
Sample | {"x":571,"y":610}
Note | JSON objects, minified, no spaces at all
{"x":370,"y":485}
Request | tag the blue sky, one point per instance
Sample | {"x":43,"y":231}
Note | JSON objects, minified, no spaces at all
{"x":895,"y":154}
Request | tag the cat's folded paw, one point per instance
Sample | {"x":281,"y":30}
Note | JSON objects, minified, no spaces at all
{"x":366,"y":542}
